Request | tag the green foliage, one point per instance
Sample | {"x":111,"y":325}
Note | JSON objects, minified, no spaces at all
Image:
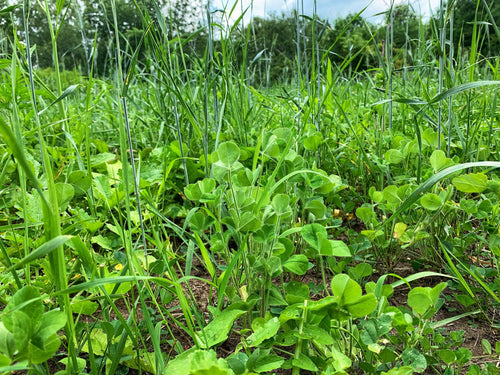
{"x":28,"y":333}
{"x":465,"y":13}
{"x":235,"y":188}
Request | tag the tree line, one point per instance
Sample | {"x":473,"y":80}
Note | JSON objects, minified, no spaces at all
{"x":85,"y":33}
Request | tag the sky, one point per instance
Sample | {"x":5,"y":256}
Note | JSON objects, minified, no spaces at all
{"x":330,"y":9}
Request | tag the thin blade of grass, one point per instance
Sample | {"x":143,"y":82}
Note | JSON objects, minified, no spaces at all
{"x":432,"y":181}
{"x":45,"y":249}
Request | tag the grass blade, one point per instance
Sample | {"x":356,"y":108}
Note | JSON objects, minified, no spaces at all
{"x":432,"y":181}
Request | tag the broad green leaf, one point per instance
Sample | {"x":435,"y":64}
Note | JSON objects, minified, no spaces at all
{"x":281,"y":205}
{"x":464,"y":299}
{"x":207,"y":185}
{"x":469,"y":206}
{"x":365,"y":214}
{"x":447,"y":356}
{"x":102,"y":158}
{"x":200,"y":189}
{"x":494,"y":186}
{"x":339,"y":360}
{"x":7,"y":345}
{"x":26,"y":300}
{"x":402,"y":191}
{"x":266,"y":363}
{"x":84,"y":307}
{"x":296,"y":292}
{"x":436,"y":291}
{"x":51,"y":322}
{"x":292,"y":312}
{"x":345,"y":289}
{"x":375,"y":195}
{"x":221,"y":171}
{"x":325,"y":247}
{"x":99,"y":340}
{"x":336,"y":248}
{"x":379,"y":289}
{"x":80,"y":181}
{"x":248,"y":222}
{"x":485,"y":344}
{"x":316,"y":207}
{"x":420,"y":300}
{"x":312,"y":142}
{"x":198,"y":362}
{"x":387,"y":355}
{"x":206,"y":363}
{"x":391,"y":194}
{"x":297,"y":264}
{"x":181,"y":364}
{"x":268,"y":330}
{"x":431,"y":202}
{"x":399,"y":230}
{"x":282,"y":135}
{"x":34,"y":210}
{"x":394,"y":156}
{"x":463,"y":355}
{"x":362,"y":306}
{"x":485,"y":206}
{"x":218,"y":329}
{"x":318,"y":334}
{"x":439,"y":160}
{"x":403,"y":370}
{"x":199,"y":221}
{"x":361,"y":270}
{"x":237,"y":362}
{"x":81,"y":363}
{"x":271,"y":147}
{"x":375,"y":328}
{"x":104,"y":242}
{"x":413,"y":358}
{"x":314,"y":234}
{"x":378,"y":196}
{"x":193,"y":192}
{"x":304,"y":362}
{"x":102,"y":188}
{"x":22,"y":328}
{"x":471,"y":183}
{"x":4,"y":361}
{"x":331,"y":184}
{"x":65,"y":193}
{"x":51,"y":344}
{"x":228,"y":153}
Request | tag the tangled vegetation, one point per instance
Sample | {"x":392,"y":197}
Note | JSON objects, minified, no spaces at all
{"x":200,"y":202}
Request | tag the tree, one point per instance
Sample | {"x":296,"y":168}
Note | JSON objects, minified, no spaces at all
{"x":67,"y":35}
{"x":465,"y":13}
{"x":405,"y":24}
{"x":271,"y":40}
{"x":98,"y":20}
{"x":66,"y":29}
{"x":347,"y":37}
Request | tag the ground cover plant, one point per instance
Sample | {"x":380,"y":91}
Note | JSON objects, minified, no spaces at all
{"x":210,"y":197}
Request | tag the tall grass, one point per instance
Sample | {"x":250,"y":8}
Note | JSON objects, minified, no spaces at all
{"x":159,"y":126}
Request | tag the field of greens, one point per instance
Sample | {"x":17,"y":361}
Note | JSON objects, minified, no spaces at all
{"x":192,"y":209}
